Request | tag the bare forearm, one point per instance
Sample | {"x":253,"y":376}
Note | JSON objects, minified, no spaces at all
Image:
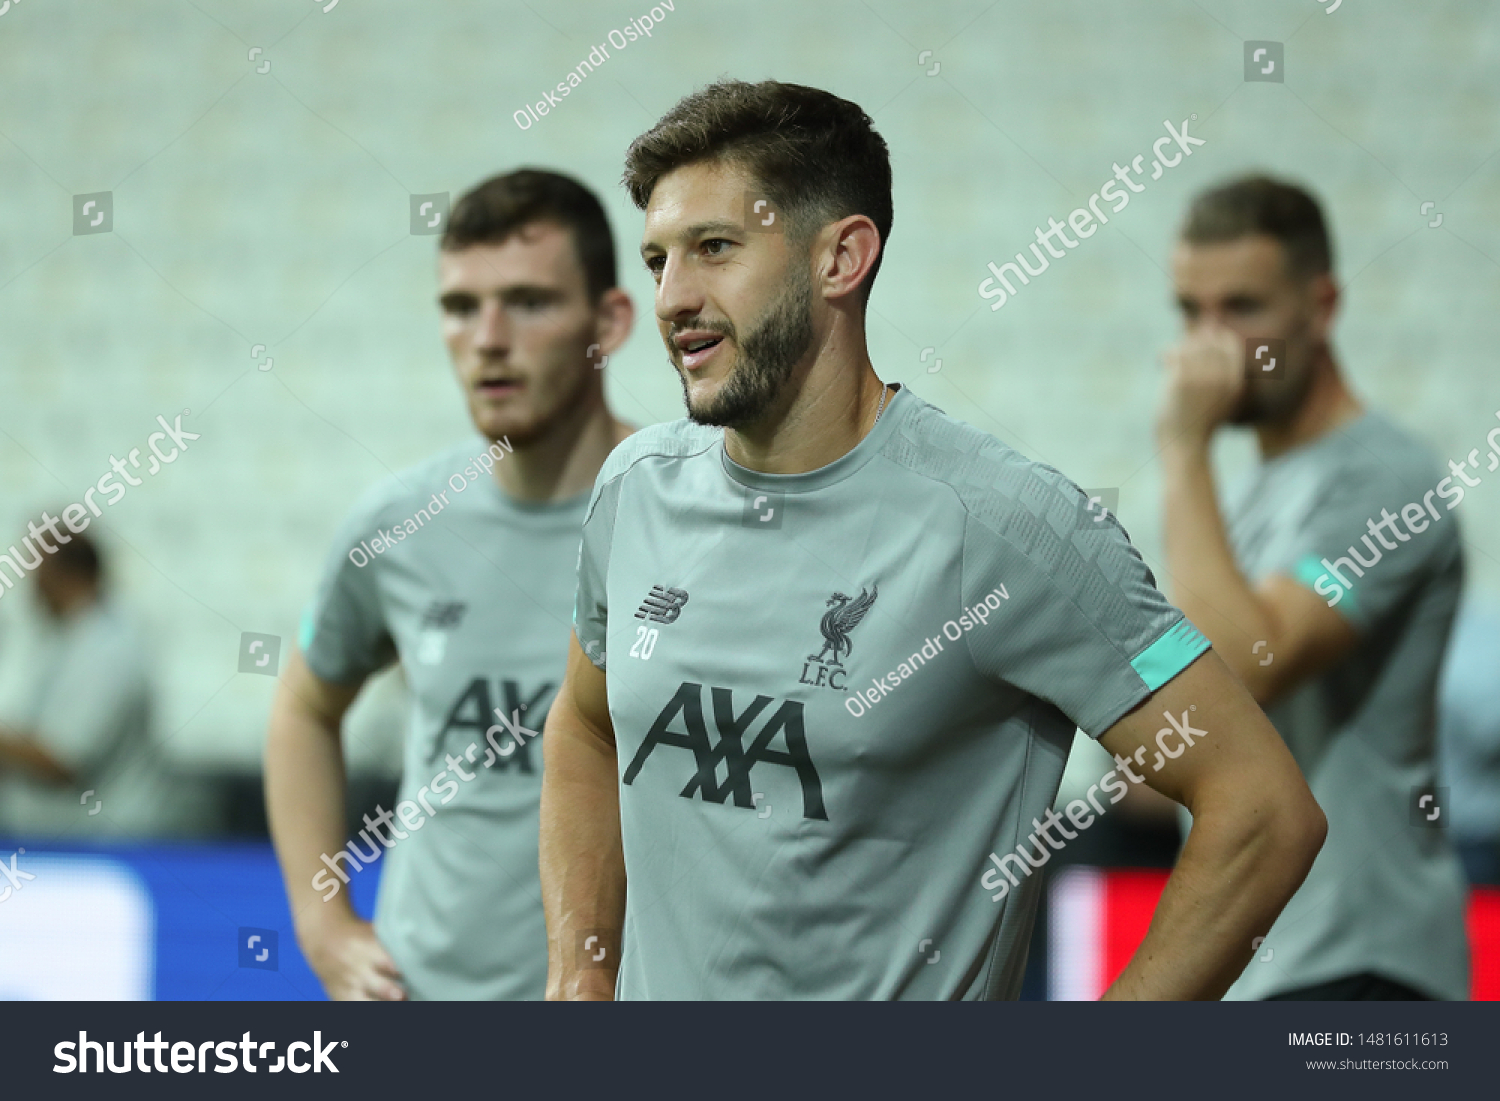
{"x":1205,"y":581}
{"x":22,"y":753}
{"x":582,"y":864}
{"x":1234,"y":876}
{"x":305,"y":806}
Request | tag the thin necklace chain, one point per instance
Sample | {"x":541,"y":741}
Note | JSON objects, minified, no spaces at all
{"x":885,"y":392}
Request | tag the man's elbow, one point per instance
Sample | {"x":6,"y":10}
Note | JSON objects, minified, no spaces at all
{"x":1300,"y":828}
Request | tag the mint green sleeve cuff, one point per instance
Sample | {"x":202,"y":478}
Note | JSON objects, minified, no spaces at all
{"x":1170,"y":654}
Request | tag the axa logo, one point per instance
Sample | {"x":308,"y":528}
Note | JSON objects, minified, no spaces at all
{"x":843,"y":615}
{"x":471,"y":712}
{"x":683,"y":725}
{"x":662,"y":605}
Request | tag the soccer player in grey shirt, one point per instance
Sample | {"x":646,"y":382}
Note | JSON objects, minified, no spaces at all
{"x":1329,"y":588}
{"x":848,"y":638}
{"x":461,"y":569}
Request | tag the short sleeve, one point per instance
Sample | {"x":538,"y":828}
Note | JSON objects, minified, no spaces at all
{"x":1370,"y":541}
{"x":343,"y":634}
{"x":1073,"y":615}
{"x":591,"y":604}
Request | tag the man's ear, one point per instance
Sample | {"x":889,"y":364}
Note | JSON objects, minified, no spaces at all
{"x":1325,"y":301}
{"x":614,"y":317}
{"x":851,"y":246}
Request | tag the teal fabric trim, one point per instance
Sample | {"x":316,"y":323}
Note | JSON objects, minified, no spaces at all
{"x":1309,"y":570}
{"x":1170,"y":654}
{"x":305,"y":630}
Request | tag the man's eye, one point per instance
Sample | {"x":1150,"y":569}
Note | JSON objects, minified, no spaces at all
{"x":715,"y":246}
{"x":655,"y":264}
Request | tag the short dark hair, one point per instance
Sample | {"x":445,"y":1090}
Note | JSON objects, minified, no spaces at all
{"x":1262,"y":204}
{"x":501,"y":205}
{"x":817,"y":156}
{"x":78,"y":556}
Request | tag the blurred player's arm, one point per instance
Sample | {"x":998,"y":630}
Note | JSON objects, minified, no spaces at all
{"x":21,"y":752}
{"x":305,"y":805}
{"x":1276,"y":635}
{"x":1256,"y":830}
{"x":582,"y":863}
{"x":96,"y":687}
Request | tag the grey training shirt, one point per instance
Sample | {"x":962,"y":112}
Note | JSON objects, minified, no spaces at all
{"x":834,"y":694}
{"x":1386,"y":893}
{"x":473,"y":597}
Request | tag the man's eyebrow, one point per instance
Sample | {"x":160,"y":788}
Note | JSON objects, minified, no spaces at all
{"x":510,"y":291}
{"x":695,"y":231}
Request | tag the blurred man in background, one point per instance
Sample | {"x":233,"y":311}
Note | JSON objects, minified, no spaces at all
{"x":75,"y":754}
{"x":461,"y":569}
{"x":1469,"y":739}
{"x":1334,"y":612}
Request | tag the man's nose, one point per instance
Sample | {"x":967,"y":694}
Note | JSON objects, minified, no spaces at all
{"x":493,"y":331}
{"x":678,"y":295}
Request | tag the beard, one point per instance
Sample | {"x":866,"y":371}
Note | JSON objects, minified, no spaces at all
{"x":767,"y":357}
{"x":552,"y":397}
{"x":1269,"y":401}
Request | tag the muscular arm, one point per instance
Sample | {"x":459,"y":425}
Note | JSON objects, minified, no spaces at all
{"x":582,"y":864}
{"x":1256,"y":830}
{"x":1302,"y":634}
{"x":305,"y":805}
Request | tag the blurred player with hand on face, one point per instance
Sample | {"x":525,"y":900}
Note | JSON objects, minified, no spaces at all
{"x":1329,"y":586}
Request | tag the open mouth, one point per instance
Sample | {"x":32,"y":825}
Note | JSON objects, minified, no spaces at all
{"x":698,"y":351}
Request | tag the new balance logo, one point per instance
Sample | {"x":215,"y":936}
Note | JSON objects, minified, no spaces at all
{"x":443,"y":614}
{"x":662,"y":605}
{"x":786,"y":720}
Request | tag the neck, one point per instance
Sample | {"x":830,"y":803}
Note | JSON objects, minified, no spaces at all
{"x":69,"y":601}
{"x":1328,"y":404}
{"x":564,"y":461}
{"x":828,"y":406}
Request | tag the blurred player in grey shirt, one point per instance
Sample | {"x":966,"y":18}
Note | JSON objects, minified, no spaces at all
{"x":461,"y":569}
{"x":1330,"y":587}
{"x":76,"y":754}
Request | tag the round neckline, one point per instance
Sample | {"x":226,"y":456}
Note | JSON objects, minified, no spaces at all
{"x":832,"y":473}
